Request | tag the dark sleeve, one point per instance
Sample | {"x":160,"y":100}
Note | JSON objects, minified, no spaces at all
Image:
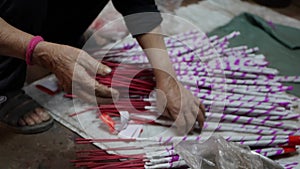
{"x":141,"y":16}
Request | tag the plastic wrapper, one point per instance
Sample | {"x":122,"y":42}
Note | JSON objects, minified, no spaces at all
{"x":217,"y":153}
{"x":108,"y":26}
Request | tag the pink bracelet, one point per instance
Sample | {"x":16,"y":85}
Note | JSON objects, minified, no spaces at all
{"x":30,"y":48}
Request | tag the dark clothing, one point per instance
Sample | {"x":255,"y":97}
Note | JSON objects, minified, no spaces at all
{"x":64,"y":22}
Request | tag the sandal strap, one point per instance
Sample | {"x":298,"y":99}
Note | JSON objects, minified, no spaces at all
{"x":16,"y":106}
{"x":13,"y":99}
{"x":20,"y":111}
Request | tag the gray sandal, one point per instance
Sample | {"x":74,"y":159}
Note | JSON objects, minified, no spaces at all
{"x":13,"y":106}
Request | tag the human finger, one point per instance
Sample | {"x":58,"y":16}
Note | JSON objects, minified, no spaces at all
{"x":92,"y":99}
{"x":93,"y":65}
{"x":200,"y":116}
{"x":200,"y":105}
{"x":167,"y":114}
{"x":202,"y":108}
{"x":91,"y":86}
{"x":161,"y":103}
{"x":180,"y":122}
{"x":190,"y":118}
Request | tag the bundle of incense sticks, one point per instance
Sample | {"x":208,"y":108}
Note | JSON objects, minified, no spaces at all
{"x":164,"y":155}
{"x":237,"y":78}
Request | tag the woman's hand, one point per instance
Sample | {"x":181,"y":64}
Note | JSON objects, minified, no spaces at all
{"x":173,"y":99}
{"x":179,"y":104}
{"x":74,"y":69}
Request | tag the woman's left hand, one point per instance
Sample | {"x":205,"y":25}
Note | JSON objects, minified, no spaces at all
{"x":179,"y":104}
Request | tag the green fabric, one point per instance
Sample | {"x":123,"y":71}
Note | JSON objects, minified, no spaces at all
{"x":280,"y":44}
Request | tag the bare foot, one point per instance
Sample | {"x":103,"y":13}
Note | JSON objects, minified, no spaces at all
{"x":37,"y":116}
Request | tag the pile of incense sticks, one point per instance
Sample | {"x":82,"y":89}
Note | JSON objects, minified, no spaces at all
{"x":160,"y":152}
{"x":240,"y":93}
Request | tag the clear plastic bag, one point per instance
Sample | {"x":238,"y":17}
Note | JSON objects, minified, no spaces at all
{"x":217,"y":153}
{"x":108,"y":26}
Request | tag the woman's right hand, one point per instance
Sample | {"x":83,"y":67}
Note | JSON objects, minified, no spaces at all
{"x":73,"y":68}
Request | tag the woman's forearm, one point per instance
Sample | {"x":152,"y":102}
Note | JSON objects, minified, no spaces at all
{"x":13,"y":42}
{"x":173,"y":100}
{"x":155,"y":49}
{"x":61,"y":60}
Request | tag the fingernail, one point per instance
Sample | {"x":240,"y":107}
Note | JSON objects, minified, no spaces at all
{"x":107,"y":70}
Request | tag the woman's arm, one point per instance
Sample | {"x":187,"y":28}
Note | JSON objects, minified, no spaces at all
{"x":181,"y":105}
{"x":62,"y":61}
{"x":13,"y":42}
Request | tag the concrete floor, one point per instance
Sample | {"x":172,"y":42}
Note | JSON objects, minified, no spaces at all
{"x":54,"y":148}
{"x":50,"y":150}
